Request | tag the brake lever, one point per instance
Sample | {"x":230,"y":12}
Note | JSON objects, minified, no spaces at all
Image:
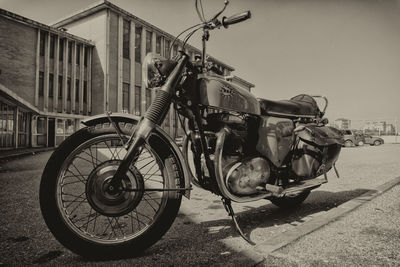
{"x":219,"y":13}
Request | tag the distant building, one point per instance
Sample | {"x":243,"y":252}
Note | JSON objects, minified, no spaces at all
{"x":239,"y":81}
{"x":375,"y":127}
{"x":390,"y":129}
{"x":342,"y":124}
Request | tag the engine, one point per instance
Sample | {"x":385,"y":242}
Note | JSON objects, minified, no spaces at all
{"x":249,"y":153}
{"x":248,"y":177}
{"x":244,"y":171}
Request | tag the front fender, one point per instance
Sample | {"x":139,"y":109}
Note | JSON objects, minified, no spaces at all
{"x":170,"y":145}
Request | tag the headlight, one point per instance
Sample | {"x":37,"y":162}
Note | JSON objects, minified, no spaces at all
{"x":149,"y":70}
{"x":156,"y":69}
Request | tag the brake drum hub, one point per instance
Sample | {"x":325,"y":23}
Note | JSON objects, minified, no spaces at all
{"x":110,"y":201}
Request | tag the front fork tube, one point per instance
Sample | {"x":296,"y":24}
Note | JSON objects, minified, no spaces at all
{"x":154,"y":116}
{"x":144,"y":128}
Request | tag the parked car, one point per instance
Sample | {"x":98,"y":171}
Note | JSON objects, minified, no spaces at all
{"x":353,"y":138}
{"x":373,"y":140}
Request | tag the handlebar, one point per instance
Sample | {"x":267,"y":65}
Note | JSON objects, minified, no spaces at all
{"x":236,"y":18}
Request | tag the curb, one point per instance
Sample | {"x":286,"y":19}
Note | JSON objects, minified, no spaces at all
{"x":24,"y":153}
{"x":259,"y":252}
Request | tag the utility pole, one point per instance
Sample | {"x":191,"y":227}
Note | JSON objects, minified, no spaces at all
{"x":395,"y":129}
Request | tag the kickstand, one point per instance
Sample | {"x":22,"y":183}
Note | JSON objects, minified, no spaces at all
{"x":336,"y":171}
{"x":228,"y":208}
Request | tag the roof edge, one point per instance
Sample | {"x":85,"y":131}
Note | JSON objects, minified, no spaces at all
{"x":17,"y":98}
{"x":12,"y":16}
{"x":243,"y":81}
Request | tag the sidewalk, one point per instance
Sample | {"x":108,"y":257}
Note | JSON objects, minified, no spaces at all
{"x":367,"y":236}
{"x":364,"y":231}
{"x":14,"y":153}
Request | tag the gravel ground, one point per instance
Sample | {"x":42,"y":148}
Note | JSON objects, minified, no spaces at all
{"x":202,"y":234}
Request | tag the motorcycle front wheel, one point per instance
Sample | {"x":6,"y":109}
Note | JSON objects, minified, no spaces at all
{"x":92,"y":221}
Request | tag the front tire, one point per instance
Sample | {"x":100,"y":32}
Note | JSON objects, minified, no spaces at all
{"x":348,"y":143}
{"x":94,"y":222}
{"x":288,"y":202}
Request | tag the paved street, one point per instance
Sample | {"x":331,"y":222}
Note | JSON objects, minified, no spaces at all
{"x":203,"y":233}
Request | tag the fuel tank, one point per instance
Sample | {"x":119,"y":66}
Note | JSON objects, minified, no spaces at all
{"x":219,"y":93}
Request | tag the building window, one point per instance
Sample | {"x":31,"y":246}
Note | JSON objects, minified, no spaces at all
{"x":42,"y":41}
{"x":61,"y":50}
{"x":41,"y":83}
{"x":84,"y":91}
{"x":138,"y":96}
{"x":158,"y":44}
{"x":166,"y":48}
{"x":77,"y":90}
{"x":138,"y":44}
{"x":85,"y":56}
{"x":149,"y":36}
{"x":7,"y":129}
{"x":148,"y":97}
{"x":78,"y":54}
{"x":125,"y":38}
{"x":23,"y":129}
{"x":52,"y":44}
{"x":69,"y":52}
{"x":125,"y":96}
{"x":51,"y":85}
{"x":60,"y":81}
{"x":69,"y":89}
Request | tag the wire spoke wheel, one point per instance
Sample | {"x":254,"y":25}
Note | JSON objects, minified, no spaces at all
{"x":91,"y":217}
{"x":102,"y":216}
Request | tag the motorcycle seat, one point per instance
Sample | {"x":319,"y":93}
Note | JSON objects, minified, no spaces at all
{"x":300,"y":106}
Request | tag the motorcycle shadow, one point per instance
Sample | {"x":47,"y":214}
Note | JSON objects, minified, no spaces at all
{"x":204,"y":241}
{"x":198,"y":238}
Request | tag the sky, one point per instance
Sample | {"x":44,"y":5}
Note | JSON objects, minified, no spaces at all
{"x":346,"y":50}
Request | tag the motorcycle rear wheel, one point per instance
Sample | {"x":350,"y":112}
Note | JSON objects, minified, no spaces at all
{"x":287,"y":202}
{"x":90,"y":220}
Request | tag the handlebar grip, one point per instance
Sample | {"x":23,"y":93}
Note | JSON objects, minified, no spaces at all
{"x":236,"y":18}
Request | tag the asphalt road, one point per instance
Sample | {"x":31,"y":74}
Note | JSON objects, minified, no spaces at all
{"x":202,"y":234}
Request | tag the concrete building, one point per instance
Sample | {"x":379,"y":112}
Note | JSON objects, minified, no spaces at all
{"x":122,"y":41}
{"x":375,"y":127}
{"x":390,"y":129}
{"x":45,"y":82}
{"x":51,"y":77}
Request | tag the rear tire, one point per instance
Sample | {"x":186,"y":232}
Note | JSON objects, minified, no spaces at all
{"x":288,"y":202}
{"x":377,"y":143}
{"x":110,"y":225}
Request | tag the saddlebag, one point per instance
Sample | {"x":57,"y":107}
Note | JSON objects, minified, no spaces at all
{"x":317,"y":150}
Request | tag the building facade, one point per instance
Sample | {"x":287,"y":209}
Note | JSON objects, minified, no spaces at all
{"x":45,"y":82}
{"x":51,"y":77}
{"x":122,"y":41}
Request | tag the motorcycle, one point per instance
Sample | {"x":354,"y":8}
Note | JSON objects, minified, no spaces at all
{"x":113,"y":188}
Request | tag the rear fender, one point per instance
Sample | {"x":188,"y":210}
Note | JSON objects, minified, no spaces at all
{"x":170,"y":146}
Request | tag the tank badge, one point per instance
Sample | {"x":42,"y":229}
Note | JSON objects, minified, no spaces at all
{"x":226,"y":91}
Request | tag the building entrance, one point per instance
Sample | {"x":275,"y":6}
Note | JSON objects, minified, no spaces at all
{"x":51,"y":133}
